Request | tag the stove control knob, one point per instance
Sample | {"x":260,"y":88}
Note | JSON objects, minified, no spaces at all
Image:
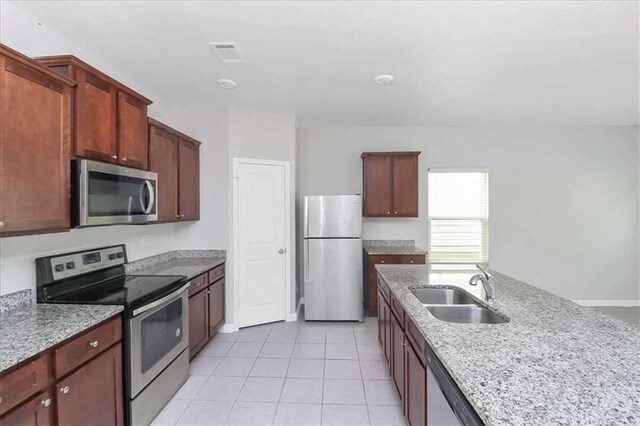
{"x":71,"y":265}
{"x":59,"y":267}
{"x":120,"y":255}
{"x":112,"y":256}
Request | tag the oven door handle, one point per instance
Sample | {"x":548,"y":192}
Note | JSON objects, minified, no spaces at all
{"x":152,"y":197}
{"x":159,"y":302}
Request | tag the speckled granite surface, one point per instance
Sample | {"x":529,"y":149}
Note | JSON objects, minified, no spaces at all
{"x":31,"y":329}
{"x":18,"y":299}
{"x":181,"y":262}
{"x":390,"y":247}
{"x":555,"y":362}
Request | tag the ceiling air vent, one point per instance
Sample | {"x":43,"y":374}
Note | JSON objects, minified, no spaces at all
{"x":227,"y":52}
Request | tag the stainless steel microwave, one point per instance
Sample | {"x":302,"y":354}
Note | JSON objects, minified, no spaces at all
{"x":106,"y":194}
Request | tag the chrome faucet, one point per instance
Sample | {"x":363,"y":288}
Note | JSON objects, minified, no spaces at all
{"x":487,"y":282}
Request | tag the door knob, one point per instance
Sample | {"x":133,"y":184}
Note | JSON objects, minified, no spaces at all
{"x":281,"y":251}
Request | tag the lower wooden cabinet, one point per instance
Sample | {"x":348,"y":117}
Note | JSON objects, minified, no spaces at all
{"x":401,"y":345}
{"x":370,"y":277}
{"x":84,"y":390}
{"x":36,"y":411}
{"x":206,"y":308}
{"x":93,"y":394}
{"x":198,"y":327}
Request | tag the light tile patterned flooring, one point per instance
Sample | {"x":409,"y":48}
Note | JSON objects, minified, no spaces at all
{"x":297,"y":373}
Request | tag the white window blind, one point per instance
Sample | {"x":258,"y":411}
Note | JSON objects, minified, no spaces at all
{"x":458,"y":217}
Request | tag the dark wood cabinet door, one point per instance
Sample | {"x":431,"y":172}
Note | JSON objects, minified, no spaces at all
{"x":95,"y":117}
{"x":397,"y":356}
{"x":377,"y":186}
{"x":216,"y":306}
{"x":35,"y":119}
{"x":163,"y":160}
{"x":93,"y":394}
{"x":188,"y":180}
{"x":133,"y":144}
{"x":381,"y":319}
{"x":405,"y":186}
{"x":38,"y":411}
{"x":198,"y":321}
{"x":388,"y":345}
{"x":415,"y":388}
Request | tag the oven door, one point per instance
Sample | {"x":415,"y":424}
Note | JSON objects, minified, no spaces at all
{"x":107,"y":194}
{"x":158,"y":333}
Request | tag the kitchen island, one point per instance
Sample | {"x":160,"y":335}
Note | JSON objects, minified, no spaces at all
{"x":554,"y":362}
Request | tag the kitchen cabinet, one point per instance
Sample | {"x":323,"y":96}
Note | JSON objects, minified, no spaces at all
{"x":370,"y":277}
{"x":390,"y":184}
{"x":405,"y":349}
{"x":175,"y":157}
{"x":79,"y":381}
{"x":189,"y":180}
{"x":34,"y":146}
{"x":206,"y":308}
{"x":198,"y":324}
{"x":93,"y":394}
{"x":397,"y":355}
{"x":110,"y":119}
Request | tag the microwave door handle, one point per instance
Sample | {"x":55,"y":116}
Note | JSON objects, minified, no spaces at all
{"x":152,"y":198}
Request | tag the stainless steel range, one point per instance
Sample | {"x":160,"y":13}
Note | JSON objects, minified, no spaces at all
{"x":156,"y":356}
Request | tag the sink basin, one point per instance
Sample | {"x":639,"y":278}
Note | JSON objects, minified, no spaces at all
{"x":442,"y":296}
{"x":466,"y":314}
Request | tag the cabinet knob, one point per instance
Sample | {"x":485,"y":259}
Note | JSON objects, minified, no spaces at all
{"x":1,"y":225}
{"x":115,"y":157}
{"x":46,"y":402}
{"x":177,"y":216}
{"x":382,"y":261}
{"x":411,"y":261}
{"x":388,"y":212}
{"x":124,"y":158}
{"x":182,"y":215}
{"x":0,"y":399}
{"x":65,"y":389}
{"x":395,"y":212}
{"x":94,"y":344}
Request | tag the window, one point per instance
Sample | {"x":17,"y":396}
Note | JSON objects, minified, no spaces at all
{"x":458,"y":217}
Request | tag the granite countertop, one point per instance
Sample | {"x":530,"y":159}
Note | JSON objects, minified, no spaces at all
{"x":185,"y":262}
{"x":555,"y":362}
{"x":391,"y":247}
{"x":33,"y":328}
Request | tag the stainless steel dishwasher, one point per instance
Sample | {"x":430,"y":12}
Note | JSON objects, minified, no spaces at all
{"x":446,"y":405}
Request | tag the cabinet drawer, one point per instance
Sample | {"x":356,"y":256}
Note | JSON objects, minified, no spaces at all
{"x":384,"y":290}
{"x":20,"y":384}
{"x":216,"y":273}
{"x":418,"y":259}
{"x":88,"y":345}
{"x":415,"y":338}
{"x":396,"y":307}
{"x":198,"y":283}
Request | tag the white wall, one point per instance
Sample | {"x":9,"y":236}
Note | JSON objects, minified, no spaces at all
{"x":564,"y":201}
{"x":207,"y":124}
{"x":266,"y":136}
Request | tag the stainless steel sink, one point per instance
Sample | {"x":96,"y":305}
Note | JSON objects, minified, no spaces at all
{"x":466,"y":314}
{"x":442,"y":296}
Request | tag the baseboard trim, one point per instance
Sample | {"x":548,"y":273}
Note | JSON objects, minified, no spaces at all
{"x":228,"y":328}
{"x":621,"y":303}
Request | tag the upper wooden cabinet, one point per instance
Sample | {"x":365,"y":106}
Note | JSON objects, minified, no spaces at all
{"x":390,"y":181}
{"x":35,"y":135}
{"x":175,"y":157}
{"x":110,"y":119}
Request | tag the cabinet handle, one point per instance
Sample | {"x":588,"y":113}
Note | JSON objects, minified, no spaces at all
{"x":46,"y":402}
{"x":177,"y":216}
{"x":1,"y":225}
{"x":182,"y":215}
{"x":115,"y":157}
{"x":411,"y":261}
{"x":124,"y":158}
{"x":382,"y":261}
{"x":64,"y":389}
{"x":94,"y":344}
{"x":388,"y":212}
{"x":395,"y":212}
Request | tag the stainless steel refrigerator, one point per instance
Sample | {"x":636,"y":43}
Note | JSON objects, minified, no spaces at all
{"x":332,"y":251}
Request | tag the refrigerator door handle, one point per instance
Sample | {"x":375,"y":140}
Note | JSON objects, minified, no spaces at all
{"x":307,"y":274}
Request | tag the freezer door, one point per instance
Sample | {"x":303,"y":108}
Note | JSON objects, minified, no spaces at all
{"x":333,"y":286}
{"x":333,"y":216}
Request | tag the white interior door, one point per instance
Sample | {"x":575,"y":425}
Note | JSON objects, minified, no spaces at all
{"x":261,"y":243}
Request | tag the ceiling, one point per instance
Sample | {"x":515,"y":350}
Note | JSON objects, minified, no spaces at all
{"x":455,"y":63}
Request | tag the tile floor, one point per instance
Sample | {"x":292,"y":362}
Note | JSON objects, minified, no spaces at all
{"x":296,"y":373}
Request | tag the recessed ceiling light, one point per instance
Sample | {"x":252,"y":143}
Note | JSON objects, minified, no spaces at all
{"x":383,"y":79}
{"x":227,"y":83}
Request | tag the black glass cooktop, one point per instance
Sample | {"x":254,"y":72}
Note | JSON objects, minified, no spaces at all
{"x":131,"y":291}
